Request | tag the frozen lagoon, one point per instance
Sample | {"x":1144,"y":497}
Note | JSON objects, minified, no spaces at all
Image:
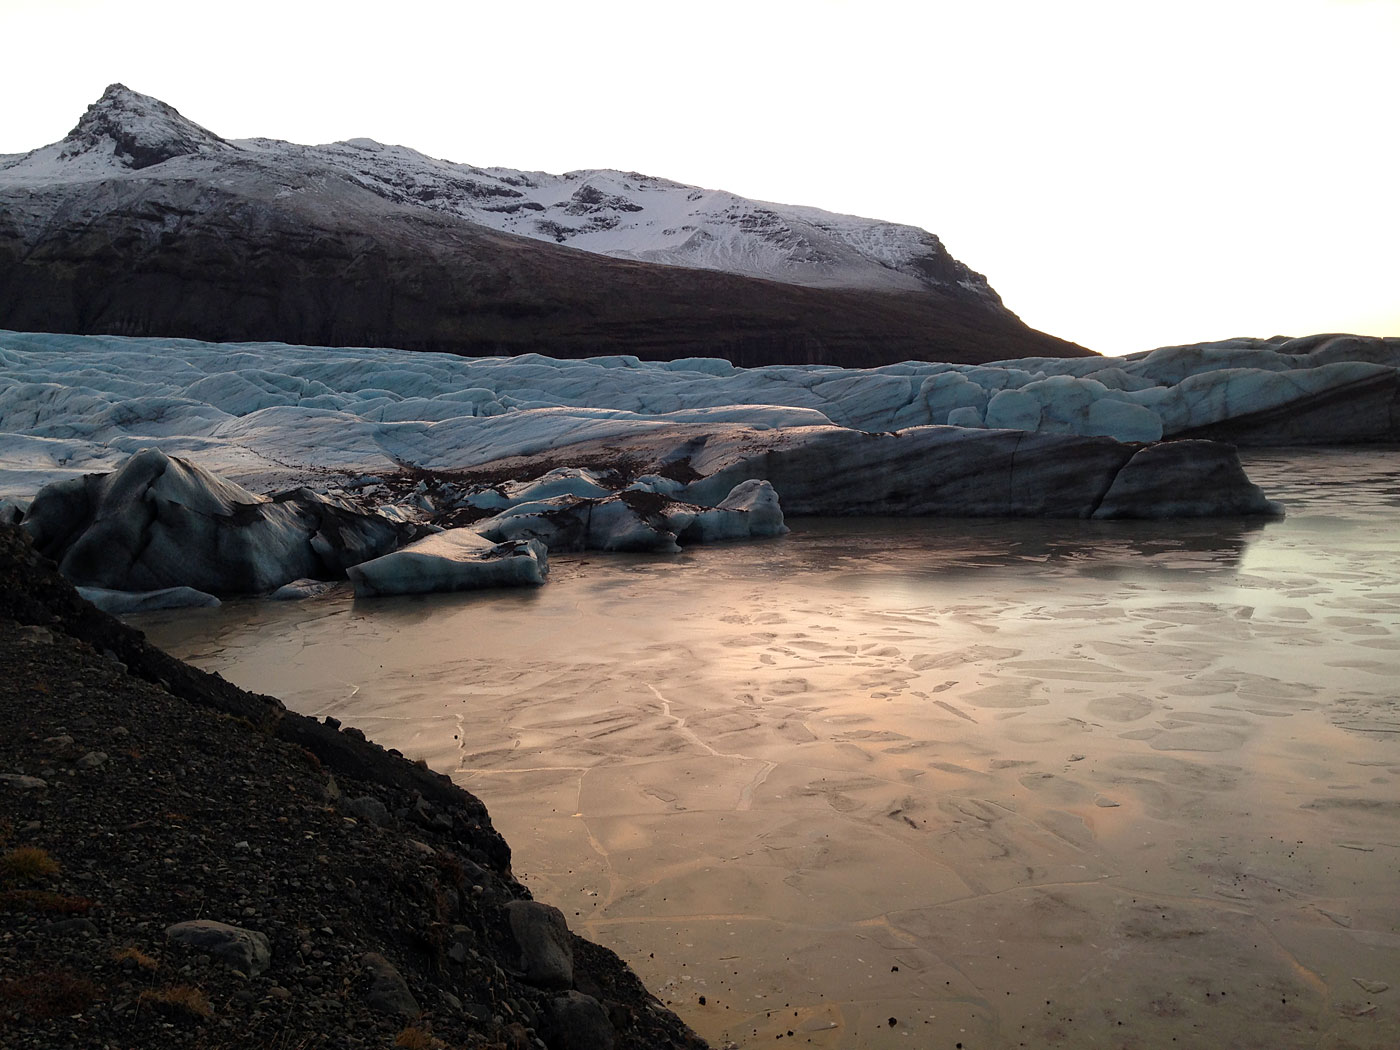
{"x":1004,"y":782}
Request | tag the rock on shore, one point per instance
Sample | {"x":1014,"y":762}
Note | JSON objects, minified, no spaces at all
{"x":183,"y":863}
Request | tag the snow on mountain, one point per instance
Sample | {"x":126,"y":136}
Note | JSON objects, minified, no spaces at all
{"x":624,"y":215}
{"x":121,"y":131}
{"x":632,"y":216}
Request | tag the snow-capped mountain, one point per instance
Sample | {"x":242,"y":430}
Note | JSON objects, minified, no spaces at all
{"x":627,"y":215}
{"x":136,"y":190}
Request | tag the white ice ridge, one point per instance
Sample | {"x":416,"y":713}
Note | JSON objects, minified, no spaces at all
{"x":270,"y":415}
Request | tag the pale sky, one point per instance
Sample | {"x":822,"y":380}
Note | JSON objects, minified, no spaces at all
{"x":1127,"y":173}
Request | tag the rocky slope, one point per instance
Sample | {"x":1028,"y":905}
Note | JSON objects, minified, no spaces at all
{"x":186,"y":864}
{"x":140,"y":222}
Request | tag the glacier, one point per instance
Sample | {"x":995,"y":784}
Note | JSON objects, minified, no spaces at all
{"x":270,"y":415}
{"x":135,"y":461}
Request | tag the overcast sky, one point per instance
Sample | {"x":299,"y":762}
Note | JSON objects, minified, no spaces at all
{"x":1126,"y":173}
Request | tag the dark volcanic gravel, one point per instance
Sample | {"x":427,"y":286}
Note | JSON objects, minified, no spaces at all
{"x":137,"y":793}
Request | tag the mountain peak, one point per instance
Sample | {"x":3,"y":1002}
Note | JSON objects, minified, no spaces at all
{"x":142,"y":131}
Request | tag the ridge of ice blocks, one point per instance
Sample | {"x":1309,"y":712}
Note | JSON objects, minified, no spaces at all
{"x":640,"y":519}
{"x":269,"y":415}
{"x":608,"y":453}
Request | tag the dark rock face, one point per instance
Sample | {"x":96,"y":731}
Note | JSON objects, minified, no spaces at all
{"x":194,"y":236}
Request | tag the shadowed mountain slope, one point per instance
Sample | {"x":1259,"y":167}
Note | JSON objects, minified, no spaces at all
{"x":140,"y":222}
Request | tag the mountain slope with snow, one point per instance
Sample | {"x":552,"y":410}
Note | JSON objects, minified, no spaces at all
{"x":627,"y":215}
{"x":142,"y":222}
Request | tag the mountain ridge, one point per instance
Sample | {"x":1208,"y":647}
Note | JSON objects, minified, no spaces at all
{"x":142,"y":222}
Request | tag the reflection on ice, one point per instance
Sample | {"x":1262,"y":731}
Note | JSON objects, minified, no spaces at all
{"x":1041,"y":783}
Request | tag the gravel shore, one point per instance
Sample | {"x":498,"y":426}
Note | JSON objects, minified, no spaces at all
{"x":183,"y":863}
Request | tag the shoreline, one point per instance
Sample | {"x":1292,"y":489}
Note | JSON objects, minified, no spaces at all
{"x":159,"y":794}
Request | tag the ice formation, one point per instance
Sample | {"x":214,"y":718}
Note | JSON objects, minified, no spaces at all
{"x":455,"y":560}
{"x":160,"y":522}
{"x":610,"y":453}
{"x":268,"y":414}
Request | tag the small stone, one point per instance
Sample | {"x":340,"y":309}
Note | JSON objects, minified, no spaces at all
{"x":92,"y":760}
{"x":59,"y":741}
{"x":23,"y":783}
{"x":72,"y":927}
{"x":1374,"y":987}
{"x":278,"y":992}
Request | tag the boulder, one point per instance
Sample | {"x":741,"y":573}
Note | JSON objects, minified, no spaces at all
{"x":368,"y":808}
{"x":235,"y":947}
{"x":574,"y":1021}
{"x":385,"y":990}
{"x":546,"y":946}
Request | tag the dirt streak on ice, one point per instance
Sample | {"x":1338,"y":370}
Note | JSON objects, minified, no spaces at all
{"x":998,"y":783}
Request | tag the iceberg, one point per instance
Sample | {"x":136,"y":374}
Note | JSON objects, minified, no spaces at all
{"x":160,"y":522}
{"x":456,"y":560}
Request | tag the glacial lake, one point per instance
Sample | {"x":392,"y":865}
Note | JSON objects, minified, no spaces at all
{"x":930,"y":783}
